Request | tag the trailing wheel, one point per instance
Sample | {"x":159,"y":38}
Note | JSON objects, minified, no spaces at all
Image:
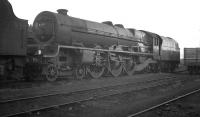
{"x":80,"y":72}
{"x":95,"y":71}
{"x":52,"y":72}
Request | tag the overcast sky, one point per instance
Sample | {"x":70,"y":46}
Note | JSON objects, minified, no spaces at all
{"x":178,"y":19}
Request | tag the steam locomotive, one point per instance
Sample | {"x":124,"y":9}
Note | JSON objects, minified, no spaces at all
{"x":58,"y":45}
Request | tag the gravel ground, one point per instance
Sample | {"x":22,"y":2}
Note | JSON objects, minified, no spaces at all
{"x":67,"y":87}
{"x":123,"y":105}
{"x":186,"y":107}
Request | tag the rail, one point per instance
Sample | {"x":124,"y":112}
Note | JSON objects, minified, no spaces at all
{"x":30,"y":104}
{"x":161,"y":104}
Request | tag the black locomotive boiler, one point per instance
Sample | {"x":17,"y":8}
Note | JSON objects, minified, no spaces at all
{"x":58,"y":45}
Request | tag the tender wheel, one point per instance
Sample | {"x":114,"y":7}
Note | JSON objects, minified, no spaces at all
{"x":95,"y":71}
{"x":129,"y":67}
{"x":151,"y":68}
{"x":115,"y":68}
{"x":52,"y":73}
{"x":156,"y":68}
{"x":148,"y":68}
{"x":80,"y":72}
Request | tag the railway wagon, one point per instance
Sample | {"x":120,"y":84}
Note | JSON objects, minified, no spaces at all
{"x":12,"y":42}
{"x":192,"y":59}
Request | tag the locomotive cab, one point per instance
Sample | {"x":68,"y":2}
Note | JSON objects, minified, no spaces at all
{"x":157,"y":43}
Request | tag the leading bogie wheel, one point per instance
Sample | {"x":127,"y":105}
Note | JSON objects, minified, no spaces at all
{"x":52,"y":73}
{"x":80,"y":72}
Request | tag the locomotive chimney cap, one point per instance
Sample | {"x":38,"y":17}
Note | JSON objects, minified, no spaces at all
{"x":62,"y":11}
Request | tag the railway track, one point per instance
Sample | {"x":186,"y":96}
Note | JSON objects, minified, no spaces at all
{"x":10,"y":82}
{"x":163,"y":103}
{"x":18,"y":106}
{"x":47,"y":90}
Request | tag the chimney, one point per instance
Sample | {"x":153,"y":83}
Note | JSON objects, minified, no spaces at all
{"x":62,"y":11}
